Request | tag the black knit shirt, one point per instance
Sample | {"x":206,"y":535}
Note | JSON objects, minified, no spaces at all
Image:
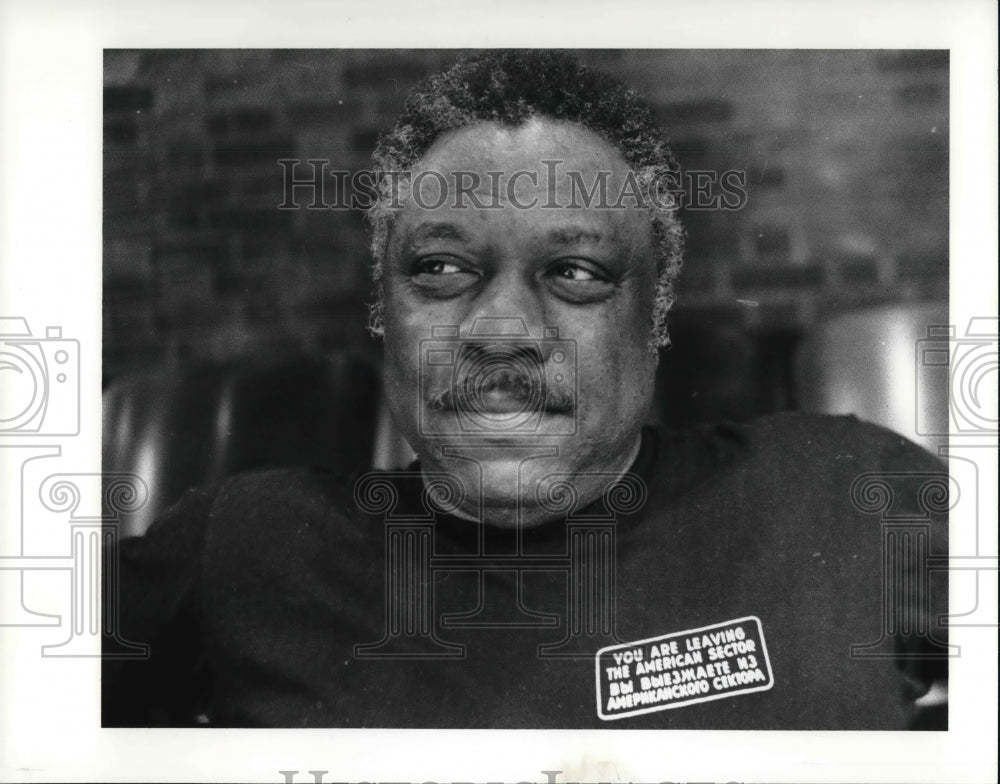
{"x":300,"y":598}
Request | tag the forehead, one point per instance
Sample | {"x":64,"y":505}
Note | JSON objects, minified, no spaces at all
{"x":499,"y":147}
{"x":522,"y":181}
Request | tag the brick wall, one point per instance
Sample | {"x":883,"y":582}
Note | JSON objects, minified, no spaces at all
{"x":845,"y":154}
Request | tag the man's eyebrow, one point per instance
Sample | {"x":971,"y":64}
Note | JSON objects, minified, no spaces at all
{"x":437,"y":230}
{"x":572,"y":235}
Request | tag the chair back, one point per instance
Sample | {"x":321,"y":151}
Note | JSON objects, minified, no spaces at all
{"x":187,"y":426}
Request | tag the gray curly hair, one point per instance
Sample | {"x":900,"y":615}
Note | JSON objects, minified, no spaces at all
{"x":511,"y":87}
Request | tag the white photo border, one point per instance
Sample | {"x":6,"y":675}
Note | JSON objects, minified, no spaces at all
{"x":50,"y":273}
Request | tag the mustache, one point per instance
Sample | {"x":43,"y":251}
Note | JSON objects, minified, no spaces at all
{"x":526,"y":386}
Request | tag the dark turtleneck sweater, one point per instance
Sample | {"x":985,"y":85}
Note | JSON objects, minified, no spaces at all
{"x":280,"y":599}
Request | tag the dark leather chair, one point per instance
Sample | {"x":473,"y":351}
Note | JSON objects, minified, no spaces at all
{"x":869,"y":362}
{"x":183,"y":426}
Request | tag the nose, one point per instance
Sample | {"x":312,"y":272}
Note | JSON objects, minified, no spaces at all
{"x":507,"y":307}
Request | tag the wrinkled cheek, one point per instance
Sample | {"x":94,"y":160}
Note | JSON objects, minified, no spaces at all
{"x":615,"y":386}
{"x":402,"y":357}
{"x":399,"y":373}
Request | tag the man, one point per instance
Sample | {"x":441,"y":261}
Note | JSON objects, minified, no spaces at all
{"x":548,"y":561}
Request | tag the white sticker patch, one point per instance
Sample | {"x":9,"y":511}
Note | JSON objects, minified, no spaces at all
{"x":697,"y":665}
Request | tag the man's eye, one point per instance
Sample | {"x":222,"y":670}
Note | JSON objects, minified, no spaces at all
{"x":437,"y":267}
{"x":443,"y":277}
{"x":570,"y":271}
{"x":580,"y":283}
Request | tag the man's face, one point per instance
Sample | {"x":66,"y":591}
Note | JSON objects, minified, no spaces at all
{"x":481,"y":385}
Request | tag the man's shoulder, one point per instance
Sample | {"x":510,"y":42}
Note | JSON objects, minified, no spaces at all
{"x":793,"y":455}
{"x":277,"y":494}
{"x":836,"y":472}
{"x":256,"y":519}
{"x":795,"y":425}
{"x":285,"y":484}
{"x":839,"y":438}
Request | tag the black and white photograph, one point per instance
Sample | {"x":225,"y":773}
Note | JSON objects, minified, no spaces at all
{"x":557,"y":385}
{"x":634,"y":345}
